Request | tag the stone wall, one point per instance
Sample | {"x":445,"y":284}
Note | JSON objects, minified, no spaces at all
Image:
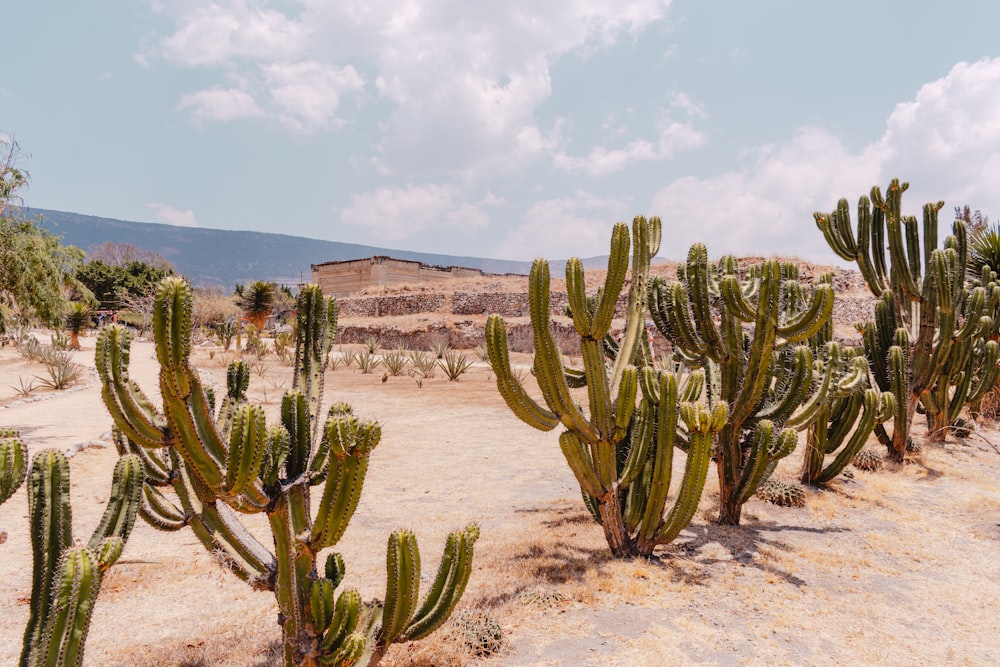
{"x":356,"y":275}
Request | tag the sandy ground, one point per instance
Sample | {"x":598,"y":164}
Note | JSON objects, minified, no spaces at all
{"x":898,"y":567}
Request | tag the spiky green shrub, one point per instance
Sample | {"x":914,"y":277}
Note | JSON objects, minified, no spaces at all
{"x":620,"y":453}
{"x":204,"y":468}
{"x":749,"y":333}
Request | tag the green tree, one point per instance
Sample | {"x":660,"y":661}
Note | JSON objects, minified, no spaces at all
{"x":112,"y":284}
{"x":35,"y":268}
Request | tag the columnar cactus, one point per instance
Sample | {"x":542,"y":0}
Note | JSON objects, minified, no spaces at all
{"x":13,"y":463}
{"x":66,"y":578}
{"x":844,"y":425}
{"x":766,"y":375}
{"x":621,"y":456}
{"x":972,"y":367}
{"x":922,"y":311}
{"x":218,"y":465}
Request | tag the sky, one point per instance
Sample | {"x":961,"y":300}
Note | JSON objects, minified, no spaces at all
{"x":508,"y":129}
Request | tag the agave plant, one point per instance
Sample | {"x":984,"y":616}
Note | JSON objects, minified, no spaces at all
{"x":76,"y":321}
{"x":257,"y":302}
{"x":984,"y":250}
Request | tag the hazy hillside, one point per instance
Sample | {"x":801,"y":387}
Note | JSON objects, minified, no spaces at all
{"x":222,"y":257}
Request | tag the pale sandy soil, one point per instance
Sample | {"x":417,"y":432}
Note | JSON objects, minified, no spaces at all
{"x":892,"y":568}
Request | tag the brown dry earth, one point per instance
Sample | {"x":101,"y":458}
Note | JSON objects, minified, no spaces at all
{"x":898,"y":567}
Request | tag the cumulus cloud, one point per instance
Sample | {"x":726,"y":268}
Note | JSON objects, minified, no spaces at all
{"x":309,"y":92}
{"x":220,"y":105}
{"x":462,"y":80}
{"x":945,"y":142}
{"x":565,"y":226}
{"x":169,"y":215}
{"x":600,"y":161}
{"x":396,"y":213}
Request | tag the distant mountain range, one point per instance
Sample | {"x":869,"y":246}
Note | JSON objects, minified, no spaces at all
{"x":224,"y":258}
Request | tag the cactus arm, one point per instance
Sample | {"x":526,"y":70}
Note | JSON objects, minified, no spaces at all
{"x":641,"y":437}
{"x":628,"y":389}
{"x":862,"y":430}
{"x":548,"y":359}
{"x":77,"y":583}
{"x":809,"y":411}
{"x":597,"y":382}
{"x":159,"y":512}
{"x":246,"y":449}
{"x":576,"y":294}
{"x":768,"y":448}
{"x":51,"y":521}
{"x":351,"y":443}
{"x":644,"y":234}
{"x":697,"y":274}
{"x":702,"y":427}
{"x":668,"y":306}
{"x":111,"y":360}
{"x":666,"y":427}
{"x":13,"y":466}
{"x":343,"y":622}
{"x":196,"y":452}
{"x":449,"y":584}
{"x":126,"y":491}
{"x":317,"y":322}
{"x":402,"y":585}
{"x":735,"y":299}
{"x":522,"y":405}
{"x":795,"y":392}
{"x":579,"y":459}
{"x":617,"y":269}
{"x":757,"y":365}
{"x":811,"y":320}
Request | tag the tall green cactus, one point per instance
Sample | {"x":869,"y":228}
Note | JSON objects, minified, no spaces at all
{"x":621,"y":455}
{"x":922,"y":312}
{"x":219,"y":465}
{"x":13,"y":463}
{"x":66,"y":578}
{"x":766,"y":376}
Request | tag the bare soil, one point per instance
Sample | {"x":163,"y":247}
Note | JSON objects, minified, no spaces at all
{"x":897,"y":567}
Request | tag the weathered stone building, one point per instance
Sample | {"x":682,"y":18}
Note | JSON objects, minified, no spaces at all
{"x":348,"y":277}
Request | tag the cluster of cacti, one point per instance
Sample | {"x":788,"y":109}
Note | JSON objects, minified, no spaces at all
{"x":620,"y":453}
{"x":221,"y":464}
{"x":849,"y":417}
{"x":868,"y":460}
{"x":765,"y":373}
{"x":66,"y":576}
{"x":927,"y":344}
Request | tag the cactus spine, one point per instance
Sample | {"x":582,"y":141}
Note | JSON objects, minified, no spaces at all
{"x":621,"y":455}
{"x":923,"y":313}
{"x":66,"y":579}
{"x":220,"y":464}
{"x":767,"y":378}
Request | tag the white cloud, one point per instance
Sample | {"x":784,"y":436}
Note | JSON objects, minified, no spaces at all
{"x":214,"y":34}
{"x":562,"y":227}
{"x":169,"y":215}
{"x":220,"y":105}
{"x":394,"y":214}
{"x":462,"y":80}
{"x":309,"y":92}
{"x":945,"y":142}
{"x":600,"y":161}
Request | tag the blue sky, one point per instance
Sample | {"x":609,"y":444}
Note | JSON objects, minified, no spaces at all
{"x":514,"y":129}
